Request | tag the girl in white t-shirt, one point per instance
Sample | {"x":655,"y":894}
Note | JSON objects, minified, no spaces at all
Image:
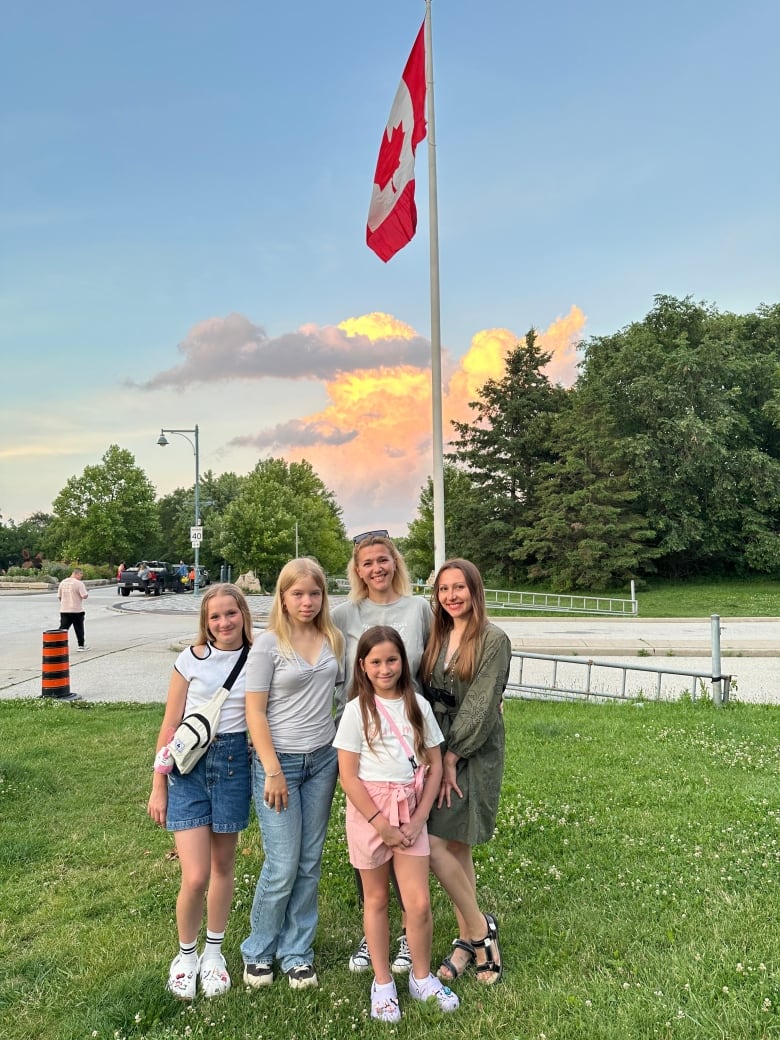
{"x":385,"y":731}
{"x":207,"y":807}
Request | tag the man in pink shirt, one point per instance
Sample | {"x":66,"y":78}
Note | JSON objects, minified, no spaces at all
{"x":72,"y":592}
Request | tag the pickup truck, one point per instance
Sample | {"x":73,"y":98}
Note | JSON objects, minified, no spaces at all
{"x":161,"y":578}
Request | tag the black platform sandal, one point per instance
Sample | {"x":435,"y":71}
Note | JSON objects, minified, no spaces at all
{"x":490,"y":945}
{"x":447,"y":964}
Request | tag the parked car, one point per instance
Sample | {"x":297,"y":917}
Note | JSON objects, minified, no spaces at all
{"x":203,"y":576}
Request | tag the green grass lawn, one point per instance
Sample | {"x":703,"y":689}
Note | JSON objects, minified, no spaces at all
{"x":634,"y":874}
{"x":728,"y":597}
{"x":754,"y":597}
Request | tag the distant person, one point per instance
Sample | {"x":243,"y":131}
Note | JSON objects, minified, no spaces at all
{"x":207,"y":807}
{"x":143,"y":577}
{"x":71,"y":593}
{"x":119,"y":572}
{"x":465,"y":669}
{"x":182,"y":576}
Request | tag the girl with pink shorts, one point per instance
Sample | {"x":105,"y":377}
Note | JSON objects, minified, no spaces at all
{"x":390,"y":768}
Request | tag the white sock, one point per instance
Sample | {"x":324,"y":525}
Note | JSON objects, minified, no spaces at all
{"x":425,"y":985}
{"x":189,"y":954}
{"x":213,"y":948}
{"x":384,"y":987}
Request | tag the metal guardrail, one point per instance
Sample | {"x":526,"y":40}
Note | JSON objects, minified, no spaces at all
{"x":559,"y":603}
{"x":555,"y":602}
{"x":592,"y":685}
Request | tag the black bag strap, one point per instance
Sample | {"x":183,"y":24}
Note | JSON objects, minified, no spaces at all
{"x":237,"y":668}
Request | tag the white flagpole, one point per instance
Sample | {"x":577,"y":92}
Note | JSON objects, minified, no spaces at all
{"x":439,"y":554}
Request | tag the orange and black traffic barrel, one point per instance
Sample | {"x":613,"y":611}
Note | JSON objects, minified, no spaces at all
{"x":55,"y":673}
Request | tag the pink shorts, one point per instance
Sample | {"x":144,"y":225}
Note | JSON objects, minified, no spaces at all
{"x":396,"y":802}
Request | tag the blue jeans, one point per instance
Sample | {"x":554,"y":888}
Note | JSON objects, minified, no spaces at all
{"x":284,"y":910}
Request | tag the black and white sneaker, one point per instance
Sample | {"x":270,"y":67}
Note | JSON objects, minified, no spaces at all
{"x":302,"y":976}
{"x":361,"y":958}
{"x":403,"y":959}
{"x":256,"y":975}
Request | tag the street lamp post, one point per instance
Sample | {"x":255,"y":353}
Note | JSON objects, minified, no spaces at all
{"x":162,"y":440}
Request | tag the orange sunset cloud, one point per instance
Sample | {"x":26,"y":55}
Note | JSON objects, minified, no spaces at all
{"x":384,"y":413}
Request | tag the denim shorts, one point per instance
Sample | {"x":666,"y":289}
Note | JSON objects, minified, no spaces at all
{"x":216,"y":793}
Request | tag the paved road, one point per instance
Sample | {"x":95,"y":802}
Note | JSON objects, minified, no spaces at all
{"x":134,"y":641}
{"x":133,"y":644}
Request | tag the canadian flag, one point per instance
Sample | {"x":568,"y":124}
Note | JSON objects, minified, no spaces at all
{"x":392,"y":215}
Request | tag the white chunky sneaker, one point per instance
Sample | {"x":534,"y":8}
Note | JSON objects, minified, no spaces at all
{"x":384,"y":1002}
{"x":182,"y":978}
{"x":302,"y":976}
{"x":433,"y":988}
{"x":257,"y":975}
{"x":214,"y":978}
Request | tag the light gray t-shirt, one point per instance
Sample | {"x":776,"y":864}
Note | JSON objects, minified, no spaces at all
{"x":300,"y":695}
{"x":410,"y":616}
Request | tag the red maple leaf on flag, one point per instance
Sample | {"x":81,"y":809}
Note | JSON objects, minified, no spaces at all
{"x":392,"y":214}
{"x":389,"y":156}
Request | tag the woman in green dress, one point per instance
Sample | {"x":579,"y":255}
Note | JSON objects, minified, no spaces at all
{"x":465,"y":669}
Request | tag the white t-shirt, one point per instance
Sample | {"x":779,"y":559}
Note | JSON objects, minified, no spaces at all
{"x":206,"y":676}
{"x":386,"y":760}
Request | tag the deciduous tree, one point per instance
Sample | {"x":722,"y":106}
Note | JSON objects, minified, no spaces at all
{"x":258,"y":529}
{"x":690,"y":397}
{"x":177,"y":516}
{"x":108,"y":513}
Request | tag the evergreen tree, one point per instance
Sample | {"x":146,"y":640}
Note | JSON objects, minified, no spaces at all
{"x":461,"y":502}
{"x":504,"y":451}
{"x":587,"y":533}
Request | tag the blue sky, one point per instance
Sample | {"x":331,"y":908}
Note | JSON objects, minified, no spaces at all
{"x":183,"y":182}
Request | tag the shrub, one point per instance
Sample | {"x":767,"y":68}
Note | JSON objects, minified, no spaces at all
{"x":19,"y":576}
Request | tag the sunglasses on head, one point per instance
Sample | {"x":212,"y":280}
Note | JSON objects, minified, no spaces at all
{"x":369,"y":534}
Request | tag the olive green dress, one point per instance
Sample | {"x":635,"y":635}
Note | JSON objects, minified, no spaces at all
{"x":474,"y":729}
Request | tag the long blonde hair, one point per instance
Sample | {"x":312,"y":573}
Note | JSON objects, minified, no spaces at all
{"x":278,"y":621}
{"x":222,"y":589}
{"x":358,"y":590}
{"x":465,"y":664}
{"x":364,"y":691}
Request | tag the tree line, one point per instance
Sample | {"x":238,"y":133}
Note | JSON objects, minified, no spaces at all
{"x":111,"y":513}
{"x":662,"y":459}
